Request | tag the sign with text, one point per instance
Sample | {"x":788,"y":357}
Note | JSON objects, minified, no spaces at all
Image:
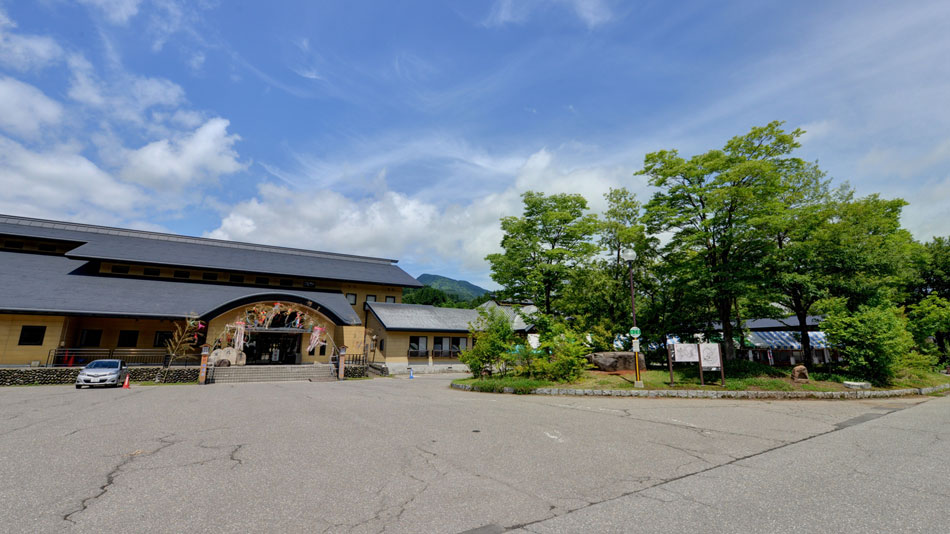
{"x":711,"y":357}
{"x":685,"y":352}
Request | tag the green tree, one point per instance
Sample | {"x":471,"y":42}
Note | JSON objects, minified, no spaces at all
{"x":873,"y":340}
{"x":426,"y":295}
{"x":930,"y":318}
{"x":713,"y":204}
{"x":493,"y":342}
{"x":541,"y":247}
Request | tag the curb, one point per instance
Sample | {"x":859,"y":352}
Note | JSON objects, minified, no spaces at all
{"x":710,"y":394}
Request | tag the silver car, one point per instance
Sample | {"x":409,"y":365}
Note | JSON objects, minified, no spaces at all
{"x":110,"y":373}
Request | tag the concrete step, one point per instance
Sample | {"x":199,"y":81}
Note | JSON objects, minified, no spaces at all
{"x":272,"y":373}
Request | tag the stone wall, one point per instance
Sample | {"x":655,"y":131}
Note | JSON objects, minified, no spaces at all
{"x":354,"y":371}
{"x":67,"y":375}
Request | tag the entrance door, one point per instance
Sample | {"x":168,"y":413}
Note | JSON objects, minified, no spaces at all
{"x":272,"y":349}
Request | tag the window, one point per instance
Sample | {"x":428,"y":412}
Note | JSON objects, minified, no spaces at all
{"x":128,"y":338}
{"x":46,"y":247}
{"x":286,"y":282}
{"x":237,"y":279}
{"x":309,"y":283}
{"x":391,"y":299}
{"x":370,"y":298}
{"x":382,"y":345}
{"x":152,"y":271}
{"x":32,"y":335}
{"x":458,"y":345}
{"x":209,"y":276}
{"x":14,"y":244}
{"x":261,"y":280}
{"x":418,"y":346}
{"x":351,"y":298}
{"x":441,"y":347}
{"x":90,"y":338}
{"x":161,"y":337}
{"x":181,"y":274}
{"x":120,"y":269}
{"x":323,"y":350}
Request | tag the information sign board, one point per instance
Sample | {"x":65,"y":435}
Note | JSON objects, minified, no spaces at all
{"x":685,"y":352}
{"x":710,"y":355}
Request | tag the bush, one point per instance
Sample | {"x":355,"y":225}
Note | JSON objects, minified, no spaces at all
{"x":916,"y":361}
{"x":562,"y":356}
{"x":493,"y":343}
{"x":871,"y":340}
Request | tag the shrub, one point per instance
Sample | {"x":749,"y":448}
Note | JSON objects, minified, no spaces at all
{"x":493,"y":343}
{"x":563,"y":356}
{"x":871,"y":340}
{"x":916,"y":361}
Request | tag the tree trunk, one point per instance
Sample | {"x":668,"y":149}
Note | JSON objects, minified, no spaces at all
{"x":802,"y":316}
{"x":726,"y":321}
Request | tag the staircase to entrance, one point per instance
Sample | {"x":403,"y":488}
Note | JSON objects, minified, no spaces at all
{"x":271,"y":373}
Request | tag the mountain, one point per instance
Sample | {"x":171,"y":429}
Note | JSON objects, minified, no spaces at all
{"x":458,"y":288}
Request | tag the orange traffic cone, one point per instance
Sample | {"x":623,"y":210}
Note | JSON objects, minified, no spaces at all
{"x":126,"y":384}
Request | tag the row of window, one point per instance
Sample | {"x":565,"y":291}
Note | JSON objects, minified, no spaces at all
{"x":33,"y":335}
{"x":238,"y":279}
{"x":215,"y":277}
{"x":351,"y":298}
{"x":442,"y":346}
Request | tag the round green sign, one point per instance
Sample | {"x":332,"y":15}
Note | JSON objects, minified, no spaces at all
{"x":635,"y":332}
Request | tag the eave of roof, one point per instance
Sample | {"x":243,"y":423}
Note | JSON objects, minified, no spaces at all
{"x":134,"y":246}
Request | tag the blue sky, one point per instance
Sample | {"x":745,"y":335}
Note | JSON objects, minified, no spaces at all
{"x":406,"y":129}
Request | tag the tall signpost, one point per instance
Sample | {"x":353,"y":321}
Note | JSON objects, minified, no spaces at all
{"x":634,"y":331}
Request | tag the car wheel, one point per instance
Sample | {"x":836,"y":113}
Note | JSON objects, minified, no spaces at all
{"x":78,"y":386}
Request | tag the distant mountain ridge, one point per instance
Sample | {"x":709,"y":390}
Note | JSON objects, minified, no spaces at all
{"x":457,"y":288}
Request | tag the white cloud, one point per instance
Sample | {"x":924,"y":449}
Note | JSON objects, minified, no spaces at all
{"x":25,"y":52}
{"x":116,"y":11}
{"x":59,"y":183}
{"x":25,"y":110}
{"x":125,"y":97}
{"x":201,"y":156}
{"x":428,"y":228}
{"x":591,"y":12}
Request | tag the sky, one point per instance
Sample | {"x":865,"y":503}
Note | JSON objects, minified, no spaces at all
{"x":406,"y":129}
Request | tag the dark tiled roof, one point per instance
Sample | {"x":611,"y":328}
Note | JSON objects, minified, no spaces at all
{"x":788,"y":323}
{"x":34,"y":283}
{"x":114,"y":244}
{"x":420,"y":317}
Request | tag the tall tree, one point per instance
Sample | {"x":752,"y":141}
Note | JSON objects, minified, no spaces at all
{"x":542,"y":247}
{"x":713,"y":205}
{"x":798,"y":232}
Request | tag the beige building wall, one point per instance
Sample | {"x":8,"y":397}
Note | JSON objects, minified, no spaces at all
{"x":11,"y":353}
{"x":395,"y":349}
{"x":112,"y":326}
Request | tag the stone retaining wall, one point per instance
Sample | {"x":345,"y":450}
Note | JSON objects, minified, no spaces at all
{"x":67,"y":375}
{"x":712,"y":394}
{"x":354,"y":371}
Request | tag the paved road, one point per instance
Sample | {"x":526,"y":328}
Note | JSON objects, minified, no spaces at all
{"x":397,"y":455}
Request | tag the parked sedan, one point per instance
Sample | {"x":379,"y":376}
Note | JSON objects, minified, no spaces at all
{"x":109,"y":373}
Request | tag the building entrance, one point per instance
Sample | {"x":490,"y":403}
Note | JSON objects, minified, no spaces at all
{"x":264,"y":348}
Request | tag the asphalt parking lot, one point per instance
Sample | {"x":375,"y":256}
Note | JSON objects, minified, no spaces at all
{"x":398,"y":455}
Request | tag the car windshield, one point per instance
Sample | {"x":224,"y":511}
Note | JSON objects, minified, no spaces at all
{"x":103,"y":364}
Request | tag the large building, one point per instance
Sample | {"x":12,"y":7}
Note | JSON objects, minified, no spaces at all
{"x":72,"y":292}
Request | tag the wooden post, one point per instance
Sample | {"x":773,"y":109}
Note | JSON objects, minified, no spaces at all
{"x":699,"y":352}
{"x":341,"y":362}
{"x":203,"y":372}
{"x":669,"y":360}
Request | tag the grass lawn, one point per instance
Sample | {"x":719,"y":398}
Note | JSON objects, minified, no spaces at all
{"x":740,"y":376}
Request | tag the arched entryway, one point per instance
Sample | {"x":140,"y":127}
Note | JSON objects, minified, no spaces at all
{"x":271,"y":333}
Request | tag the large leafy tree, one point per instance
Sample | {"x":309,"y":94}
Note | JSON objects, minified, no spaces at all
{"x":713,"y":205}
{"x":543,"y":246}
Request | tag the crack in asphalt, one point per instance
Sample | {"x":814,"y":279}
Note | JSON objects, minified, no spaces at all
{"x":111,"y":476}
{"x":659,"y":485}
